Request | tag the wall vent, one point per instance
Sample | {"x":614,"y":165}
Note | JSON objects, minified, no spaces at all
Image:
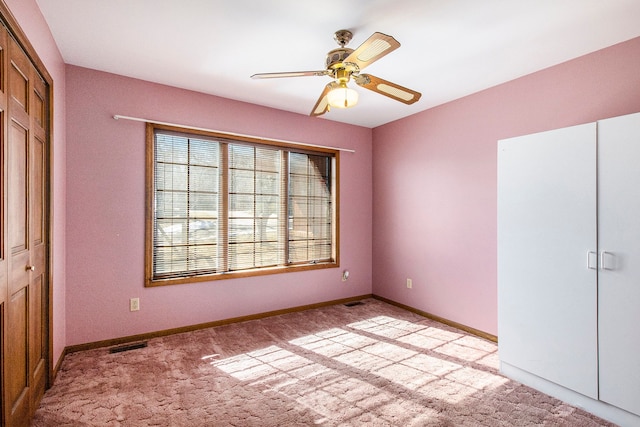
{"x":352,"y":304}
{"x":128,"y":347}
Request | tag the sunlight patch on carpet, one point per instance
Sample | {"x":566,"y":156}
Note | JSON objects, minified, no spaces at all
{"x":386,"y":326}
{"x":390,"y":357}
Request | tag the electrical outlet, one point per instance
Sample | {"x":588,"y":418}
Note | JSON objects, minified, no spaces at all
{"x":134,"y":304}
{"x":409,"y":283}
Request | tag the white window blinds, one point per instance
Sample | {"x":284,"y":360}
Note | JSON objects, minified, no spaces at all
{"x":222,"y":206}
{"x":256,"y":222}
{"x":310,"y":208}
{"x":187,"y":196}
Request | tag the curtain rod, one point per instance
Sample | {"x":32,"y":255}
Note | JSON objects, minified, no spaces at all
{"x":138,"y":119}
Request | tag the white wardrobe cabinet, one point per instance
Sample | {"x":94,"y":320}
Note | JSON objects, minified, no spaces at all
{"x":569,"y":264}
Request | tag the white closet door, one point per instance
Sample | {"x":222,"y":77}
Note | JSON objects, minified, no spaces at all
{"x":619,"y":277}
{"x":547,"y":306}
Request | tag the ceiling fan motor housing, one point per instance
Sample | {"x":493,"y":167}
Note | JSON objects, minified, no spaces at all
{"x":336,"y":57}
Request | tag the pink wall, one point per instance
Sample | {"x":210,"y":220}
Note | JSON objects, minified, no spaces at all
{"x":434,"y":179}
{"x":28,"y":15}
{"x":105,"y":210}
{"x":434,"y":207}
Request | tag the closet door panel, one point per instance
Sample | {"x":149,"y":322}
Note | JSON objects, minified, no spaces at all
{"x":16,"y":364}
{"x":619,"y":277}
{"x":547,"y":307}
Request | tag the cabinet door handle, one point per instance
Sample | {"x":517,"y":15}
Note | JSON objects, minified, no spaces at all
{"x":30,"y":268}
{"x":603,"y":263}
{"x":592,"y":260}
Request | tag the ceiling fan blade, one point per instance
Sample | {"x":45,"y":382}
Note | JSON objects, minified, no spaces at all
{"x":322,"y":104}
{"x":290,"y":74}
{"x":386,"y":88}
{"x":374,"y":48}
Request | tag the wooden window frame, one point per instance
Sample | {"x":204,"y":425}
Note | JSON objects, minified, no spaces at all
{"x":151,"y":281}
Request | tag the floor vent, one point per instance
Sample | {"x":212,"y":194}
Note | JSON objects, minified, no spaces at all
{"x":128,"y":347}
{"x":352,"y":304}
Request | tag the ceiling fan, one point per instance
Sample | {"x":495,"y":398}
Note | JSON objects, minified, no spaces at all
{"x":343,"y":64}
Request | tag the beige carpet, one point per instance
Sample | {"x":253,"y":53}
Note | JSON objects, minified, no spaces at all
{"x":368,"y":365}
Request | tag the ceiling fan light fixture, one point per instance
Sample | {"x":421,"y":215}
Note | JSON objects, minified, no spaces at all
{"x":342,"y":96}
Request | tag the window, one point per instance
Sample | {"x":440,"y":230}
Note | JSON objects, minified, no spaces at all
{"x":220,"y":206}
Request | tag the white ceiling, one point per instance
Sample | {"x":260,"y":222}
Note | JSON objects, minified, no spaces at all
{"x":449,"y":48}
